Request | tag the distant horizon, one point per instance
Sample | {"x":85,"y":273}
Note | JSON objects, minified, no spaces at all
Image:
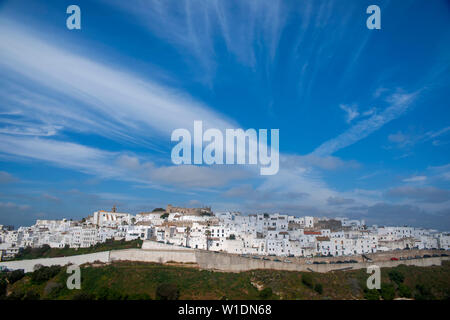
{"x":244,"y":214}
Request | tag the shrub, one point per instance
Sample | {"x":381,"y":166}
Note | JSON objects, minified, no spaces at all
{"x":396,"y":276}
{"x":318,"y":288}
{"x":404,"y":291}
{"x":116,"y":295}
{"x":423,"y":293}
{"x":15,"y":295}
{"x":3,"y":286}
{"x":307,"y":280}
{"x":139,"y":296}
{"x":387,"y":291}
{"x":37,"y":266}
{"x":15,"y":276}
{"x":102,"y":293}
{"x":266,"y":293}
{"x":372,"y":294}
{"x":44,"y":274}
{"x":31,"y":295}
{"x":167,"y":291}
{"x":164,"y":216}
{"x":52,"y":288}
{"x":30,"y":253}
{"x":109,"y":294}
{"x":83,"y":296}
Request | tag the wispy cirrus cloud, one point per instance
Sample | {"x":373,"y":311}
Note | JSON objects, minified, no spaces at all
{"x":351,"y":112}
{"x":13,"y":206}
{"x":119,"y":165}
{"x":124,"y":105}
{"x":6,"y":177}
{"x":399,"y":104}
{"x":420,"y":194}
{"x":415,"y":179}
{"x":411,"y":138}
{"x":336,"y":201}
{"x":196,"y":26}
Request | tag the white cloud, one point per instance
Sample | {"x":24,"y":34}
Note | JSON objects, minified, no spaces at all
{"x":121,"y":166}
{"x":195,"y":26}
{"x":399,"y":104}
{"x":397,"y":137}
{"x":123,"y":104}
{"x":6,"y":177}
{"x":351,"y":112}
{"x":12,"y":205}
{"x":412,"y":138}
{"x":415,"y":179}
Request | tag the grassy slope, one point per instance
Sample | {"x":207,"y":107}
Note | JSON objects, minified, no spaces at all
{"x":128,"y":279}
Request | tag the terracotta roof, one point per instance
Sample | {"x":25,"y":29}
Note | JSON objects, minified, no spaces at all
{"x":312,"y":232}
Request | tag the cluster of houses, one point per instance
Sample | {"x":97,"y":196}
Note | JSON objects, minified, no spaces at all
{"x":232,"y":232}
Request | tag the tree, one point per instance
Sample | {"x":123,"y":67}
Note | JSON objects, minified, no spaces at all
{"x":31,"y":295}
{"x":206,"y":214}
{"x":15,"y":276}
{"x":423,"y":293}
{"x":387,"y":291}
{"x":266,"y":293}
{"x":396,"y":276}
{"x":188,"y":234}
{"x":139,"y":296}
{"x":52,"y":288}
{"x":208,"y":235}
{"x":372,"y":294}
{"x":164,"y":215}
{"x":102,"y":293}
{"x":3,"y":286}
{"x":167,"y":291}
{"x":45,"y":273}
{"x":307,"y":280}
{"x":232,"y":237}
{"x":158,"y":210}
{"x":404,"y":291}
{"x":83,"y":296}
{"x":318,"y":288}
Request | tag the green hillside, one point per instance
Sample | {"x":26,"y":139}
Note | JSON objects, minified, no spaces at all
{"x":129,"y":280}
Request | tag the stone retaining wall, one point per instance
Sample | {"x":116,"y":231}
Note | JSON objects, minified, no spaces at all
{"x":162,"y":253}
{"x":28,"y":265}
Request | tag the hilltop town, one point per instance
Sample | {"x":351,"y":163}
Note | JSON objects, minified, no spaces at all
{"x":230,"y":232}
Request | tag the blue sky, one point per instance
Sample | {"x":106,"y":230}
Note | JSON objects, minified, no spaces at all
{"x":86,"y":115}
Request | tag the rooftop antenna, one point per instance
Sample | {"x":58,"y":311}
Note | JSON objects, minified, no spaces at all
{"x":114,"y":209}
